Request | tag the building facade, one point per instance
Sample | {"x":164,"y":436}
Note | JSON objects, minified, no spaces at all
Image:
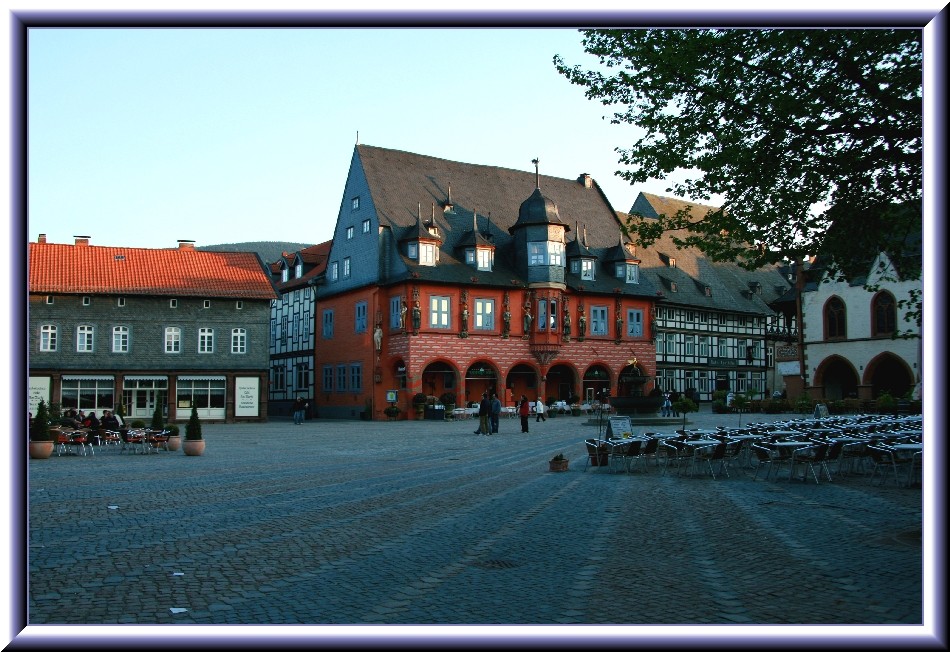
{"x":147,"y":328}
{"x":448,"y":278}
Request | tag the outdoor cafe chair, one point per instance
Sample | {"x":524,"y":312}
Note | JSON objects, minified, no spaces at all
{"x":648,"y":451}
{"x":675,"y":453}
{"x":78,"y":440}
{"x":713,"y":456}
{"x":887,"y":462}
{"x":597,"y":453}
{"x":810,"y":456}
{"x":765,"y":458}
{"x":134,"y":441}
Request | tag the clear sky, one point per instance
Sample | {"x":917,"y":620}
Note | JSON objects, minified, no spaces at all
{"x":141,"y":137}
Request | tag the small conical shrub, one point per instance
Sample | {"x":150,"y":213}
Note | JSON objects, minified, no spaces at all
{"x":193,"y":427}
{"x":40,"y":430}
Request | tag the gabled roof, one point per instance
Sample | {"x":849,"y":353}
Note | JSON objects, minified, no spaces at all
{"x":729,"y":284}
{"x":86,"y":269}
{"x":399,"y":181}
{"x":314,"y":260}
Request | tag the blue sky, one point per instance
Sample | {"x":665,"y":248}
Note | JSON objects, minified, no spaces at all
{"x":141,"y":137}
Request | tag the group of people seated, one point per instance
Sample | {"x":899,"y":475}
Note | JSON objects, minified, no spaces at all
{"x":73,"y":419}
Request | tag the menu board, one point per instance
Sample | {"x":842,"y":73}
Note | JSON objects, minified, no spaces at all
{"x":616,"y":426}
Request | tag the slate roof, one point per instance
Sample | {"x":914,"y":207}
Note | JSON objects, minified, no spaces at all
{"x":399,"y":181}
{"x":314,"y":259}
{"x":87,"y":269}
{"x":729,"y":284}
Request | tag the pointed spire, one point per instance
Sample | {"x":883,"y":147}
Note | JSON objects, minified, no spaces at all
{"x":419,"y":214}
{"x":449,"y":201}
{"x":475,"y":222}
{"x":537,"y":175}
{"x":433,"y":213}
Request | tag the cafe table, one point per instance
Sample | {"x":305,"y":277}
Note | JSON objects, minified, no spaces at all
{"x":787,"y":450}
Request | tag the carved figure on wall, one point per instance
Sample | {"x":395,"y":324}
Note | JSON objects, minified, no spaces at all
{"x":506,"y":322}
{"x":582,"y":325}
{"x":464,"y":319}
{"x":528,"y":318}
{"x":567,"y":323}
{"x":416,"y":316}
{"x":402,"y":316}
{"x":378,"y":337}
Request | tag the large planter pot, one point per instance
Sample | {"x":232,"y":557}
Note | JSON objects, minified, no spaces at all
{"x":193,"y":446}
{"x":174,"y":442}
{"x":41,"y":450}
{"x":558,"y":465}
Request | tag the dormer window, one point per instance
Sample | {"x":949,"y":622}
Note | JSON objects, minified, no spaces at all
{"x":587,"y":270}
{"x":284,"y":275}
{"x":672,"y":262}
{"x":708,"y":291}
{"x":428,"y":254}
{"x":433,"y":230}
{"x":413,"y":250}
{"x":355,"y":204}
{"x":298,"y":270}
{"x":630,"y":273}
{"x":485,"y":258}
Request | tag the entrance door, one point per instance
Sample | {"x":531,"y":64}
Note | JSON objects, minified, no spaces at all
{"x":143,"y":403}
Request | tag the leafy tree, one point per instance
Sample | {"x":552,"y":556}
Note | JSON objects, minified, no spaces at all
{"x":797,"y":130}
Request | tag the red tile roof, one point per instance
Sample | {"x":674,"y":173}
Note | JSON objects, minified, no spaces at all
{"x":83,"y":269}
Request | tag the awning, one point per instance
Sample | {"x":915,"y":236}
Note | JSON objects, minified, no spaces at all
{"x":146,"y":378}
{"x":88,"y":377}
{"x":202,"y":378}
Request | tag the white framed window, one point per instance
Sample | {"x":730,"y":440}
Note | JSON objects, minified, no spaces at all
{"x":413,"y":250}
{"x":485,"y":257}
{"x":205,"y":340}
{"x":484,"y":314}
{"x":427,"y":254}
{"x":346,"y":267}
{"x":690,"y":345}
{"x":238,"y":340}
{"x":723,"y":346}
{"x":120,"y":302}
{"x":87,"y":301}
{"x":542,"y":315}
{"x":298,"y":270}
{"x":303,"y":375}
{"x":537,"y":253}
{"x":49,"y":300}
{"x":84,"y":339}
{"x":120,"y":339}
{"x":365,"y":226}
{"x":334,"y":271}
{"x":284,"y":275}
{"x":704,"y":346}
{"x":349,"y":233}
{"x":598,"y":320}
{"x":206,"y":303}
{"x":587,"y":269}
{"x":355,"y":204}
{"x":239,"y":305}
{"x":634,"y":322}
{"x":173,"y":303}
{"x":341,"y":378}
{"x":279,"y":378}
{"x":556,"y":253}
{"x":633,"y":273}
{"x":172,"y":339}
{"x":670,"y":344}
{"x":48,"y":338}
{"x":439,"y":316}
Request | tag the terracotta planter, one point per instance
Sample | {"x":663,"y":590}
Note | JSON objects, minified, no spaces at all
{"x":558,"y":465}
{"x":193,"y":446}
{"x":41,"y":450}
{"x":174,"y":442}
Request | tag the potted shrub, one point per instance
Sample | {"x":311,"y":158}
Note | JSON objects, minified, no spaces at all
{"x":392,"y":411}
{"x":885,"y":403}
{"x":174,"y":437}
{"x":193,"y":444}
{"x":683,"y":406}
{"x":157,"y":423}
{"x":558,"y":463}
{"x":41,"y":437}
{"x":448,"y":400}
{"x":419,"y":403}
{"x":550,"y":403}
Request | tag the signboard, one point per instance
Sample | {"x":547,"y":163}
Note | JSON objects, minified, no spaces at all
{"x":391,"y":395}
{"x":246,"y":394}
{"x":790,"y":368}
{"x":821,"y":411}
{"x":616,"y":426}
{"x":38,"y":391}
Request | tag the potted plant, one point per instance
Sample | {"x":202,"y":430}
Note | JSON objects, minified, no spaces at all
{"x":419,"y":403}
{"x":193,"y":444}
{"x":157,"y":423}
{"x":550,"y":403}
{"x":558,"y":463}
{"x":392,"y":411}
{"x":448,"y":400}
{"x":174,"y":437}
{"x":41,"y":437}
{"x":740,"y":403}
{"x":886,"y":404}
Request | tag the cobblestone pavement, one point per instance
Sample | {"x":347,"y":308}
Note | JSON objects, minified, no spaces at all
{"x":418,"y":523}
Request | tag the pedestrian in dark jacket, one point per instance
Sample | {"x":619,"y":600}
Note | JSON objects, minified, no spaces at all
{"x":524,"y":411}
{"x":484,"y":416}
{"x":495,"y":413}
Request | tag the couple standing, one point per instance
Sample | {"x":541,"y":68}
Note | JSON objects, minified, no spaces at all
{"x":489,"y":413}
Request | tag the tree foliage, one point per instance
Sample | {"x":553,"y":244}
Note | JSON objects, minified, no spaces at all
{"x":797,"y":130}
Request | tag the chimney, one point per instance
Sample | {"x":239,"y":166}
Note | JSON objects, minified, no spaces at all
{"x":186,"y":244}
{"x":585,"y":180}
{"x":42,"y":238}
{"x":82,"y":240}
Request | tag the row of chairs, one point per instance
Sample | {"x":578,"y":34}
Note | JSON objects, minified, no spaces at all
{"x":884,"y":461}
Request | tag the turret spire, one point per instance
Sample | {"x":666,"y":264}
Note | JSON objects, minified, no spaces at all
{"x":537,"y":175}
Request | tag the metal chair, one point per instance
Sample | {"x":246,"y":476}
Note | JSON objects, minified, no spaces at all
{"x":596,"y":454}
{"x":886,"y":461}
{"x":764,"y":459}
{"x":810,"y":456}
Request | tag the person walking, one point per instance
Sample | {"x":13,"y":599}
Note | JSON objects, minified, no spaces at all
{"x":300,"y":407}
{"x":524,"y":410}
{"x":495,"y":413}
{"x":484,"y":412}
{"x":674,"y":397}
{"x":539,"y":408}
